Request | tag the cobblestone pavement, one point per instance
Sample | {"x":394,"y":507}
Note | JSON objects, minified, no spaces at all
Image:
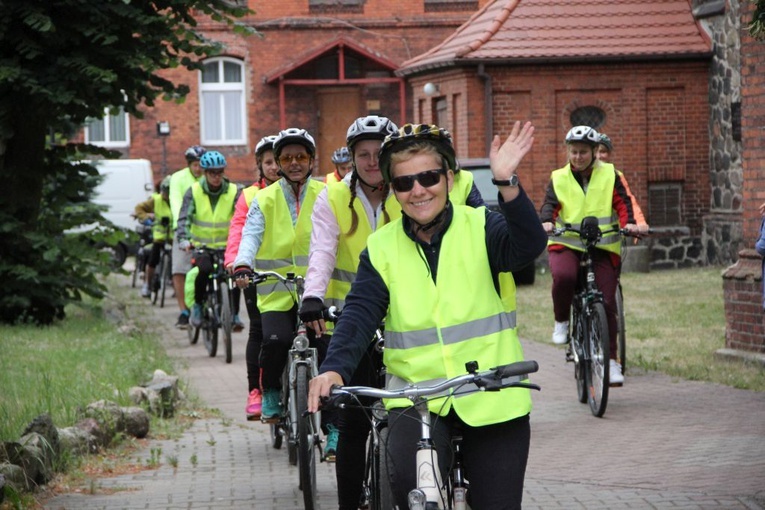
{"x":663,"y":443}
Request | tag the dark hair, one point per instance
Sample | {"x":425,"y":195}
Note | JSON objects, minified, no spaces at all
{"x":354,"y":216}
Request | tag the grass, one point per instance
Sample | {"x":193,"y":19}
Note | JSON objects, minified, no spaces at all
{"x":675,"y":322}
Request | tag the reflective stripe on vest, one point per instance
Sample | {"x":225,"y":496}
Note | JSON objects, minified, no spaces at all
{"x":210,"y":227}
{"x":161,"y":210}
{"x":284,"y":247}
{"x":433,"y":329}
{"x":598,"y":202}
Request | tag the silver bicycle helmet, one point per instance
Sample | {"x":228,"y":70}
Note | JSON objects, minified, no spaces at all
{"x":606,"y":140}
{"x":265,"y":144}
{"x":341,"y":155}
{"x":584,"y":134}
{"x":194,"y":153}
{"x":370,"y":127}
{"x":297,"y":136}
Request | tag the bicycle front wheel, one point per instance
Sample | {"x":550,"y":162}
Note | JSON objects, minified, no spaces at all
{"x":165,"y":277}
{"x":621,"y":332}
{"x":578,"y":335}
{"x":138,"y":265}
{"x":210,"y":324}
{"x":226,"y":318}
{"x":598,"y":360}
{"x":305,"y":440}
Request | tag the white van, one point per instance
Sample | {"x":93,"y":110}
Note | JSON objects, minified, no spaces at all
{"x":126,"y":183}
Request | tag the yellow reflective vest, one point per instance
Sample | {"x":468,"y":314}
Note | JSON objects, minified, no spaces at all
{"x":284,"y":247}
{"x":161,"y":210}
{"x":210,"y":226}
{"x":577,"y":205}
{"x":433,"y":329}
{"x":349,"y":247}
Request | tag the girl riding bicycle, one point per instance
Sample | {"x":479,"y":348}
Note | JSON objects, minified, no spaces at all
{"x":585,"y":187}
{"x":433,"y":276}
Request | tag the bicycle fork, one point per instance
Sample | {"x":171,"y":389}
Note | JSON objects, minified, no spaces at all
{"x":430,"y":493}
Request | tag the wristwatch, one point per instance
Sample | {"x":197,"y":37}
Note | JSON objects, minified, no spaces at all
{"x":512,"y":181}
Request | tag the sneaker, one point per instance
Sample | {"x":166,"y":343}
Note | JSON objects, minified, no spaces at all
{"x":615,"y":377}
{"x":183,"y":320}
{"x":330,"y":451}
{"x":237,"y":324}
{"x":272,"y":405}
{"x":145,"y":292}
{"x":560,"y":333}
{"x":196,"y":315}
{"x":254,"y":405}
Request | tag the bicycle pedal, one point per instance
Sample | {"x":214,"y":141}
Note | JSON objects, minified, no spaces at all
{"x":270,"y":419}
{"x":615,"y":385}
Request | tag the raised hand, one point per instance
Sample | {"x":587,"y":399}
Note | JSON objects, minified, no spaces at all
{"x":505,"y":157}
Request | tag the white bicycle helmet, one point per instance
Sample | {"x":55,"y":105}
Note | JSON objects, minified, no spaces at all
{"x":370,"y":127}
{"x":265,"y":144}
{"x":584,"y":134}
{"x":294,"y":135}
{"x":341,"y":155}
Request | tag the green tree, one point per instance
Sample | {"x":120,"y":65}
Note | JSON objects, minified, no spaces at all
{"x":61,"y":62}
{"x":757,"y":27}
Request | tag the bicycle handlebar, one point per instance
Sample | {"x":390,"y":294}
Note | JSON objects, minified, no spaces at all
{"x":490,"y":380}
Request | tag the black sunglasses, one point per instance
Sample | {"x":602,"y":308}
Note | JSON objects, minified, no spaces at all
{"x":426,"y":179}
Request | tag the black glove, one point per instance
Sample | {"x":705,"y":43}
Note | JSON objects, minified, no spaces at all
{"x":311,"y":309}
{"x":242,"y":272}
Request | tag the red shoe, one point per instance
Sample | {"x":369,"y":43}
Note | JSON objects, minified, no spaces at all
{"x":254,"y":405}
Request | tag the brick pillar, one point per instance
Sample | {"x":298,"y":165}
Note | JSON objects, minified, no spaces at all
{"x":744,"y":316}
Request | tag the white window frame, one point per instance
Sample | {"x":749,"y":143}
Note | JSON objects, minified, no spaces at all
{"x":218,"y":87}
{"x":108,"y":142}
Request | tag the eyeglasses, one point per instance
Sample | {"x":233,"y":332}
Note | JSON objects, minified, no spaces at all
{"x":426,"y":179}
{"x":301,"y":158}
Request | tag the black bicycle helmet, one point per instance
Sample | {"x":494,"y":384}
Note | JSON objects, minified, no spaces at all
{"x":606,"y":140}
{"x":194,"y":153}
{"x":265,"y":144}
{"x":410,"y":134}
{"x":370,"y":127}
{"x":297,"y":136}
{"x":583,"y":134}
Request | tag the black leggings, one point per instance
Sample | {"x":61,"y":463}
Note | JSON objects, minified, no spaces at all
{"x":494,"y":456}
{"x":354,"y":427}
{"x":255,"y":338}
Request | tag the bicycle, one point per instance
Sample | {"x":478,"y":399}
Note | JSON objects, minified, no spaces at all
{"x":216,"y":306}
{"x":144,"y":249}
{"x":431,"y":491}
{"x":300,"y":429}
{"x":162,"y":274}
{"x":589,"y":346}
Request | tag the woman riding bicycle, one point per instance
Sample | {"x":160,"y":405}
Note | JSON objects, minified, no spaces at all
{"x":585,"y":187}
{"x":157,"y":209}
{"x":276,"y":237}
{"x":424,"y":274}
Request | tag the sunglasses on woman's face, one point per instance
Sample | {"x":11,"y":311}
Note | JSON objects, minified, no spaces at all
{"x":426,"y":179}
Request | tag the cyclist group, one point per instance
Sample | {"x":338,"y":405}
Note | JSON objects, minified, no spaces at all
{"x":397,"y":235}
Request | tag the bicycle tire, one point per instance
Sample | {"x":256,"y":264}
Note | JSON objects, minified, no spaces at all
{"x":577,"y":342}
{"x":305,"y":440}
{"x":621,"y":331}
{"x":226,"y":319}
{"x":276,"y":435}
{"x":156,"y":281}
{"x":598,"y":360}
{"x":383,"y":488}
{"x":138,"y":263}
{"x":193,"y":334}
{"x":165,"y":277}
{"x":209,"y":324}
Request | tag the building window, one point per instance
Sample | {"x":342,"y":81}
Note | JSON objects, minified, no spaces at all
{"x":222,"y":106}
{"x":588,"y":116}
{"x":440,"y":113}
{"x":335,"y":6}
{"x":450,"y":5}
{"x":112,"y":130}
{"x":665,"y":204}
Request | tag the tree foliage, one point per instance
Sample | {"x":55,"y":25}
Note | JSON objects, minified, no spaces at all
{"x":757,"y":27}
{"x":61,"y":62}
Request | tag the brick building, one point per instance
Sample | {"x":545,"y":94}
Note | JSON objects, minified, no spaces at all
{"x":319,"y":64}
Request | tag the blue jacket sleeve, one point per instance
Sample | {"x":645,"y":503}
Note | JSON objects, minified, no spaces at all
{"x":760,"y":244}
{"x":515,"y":237}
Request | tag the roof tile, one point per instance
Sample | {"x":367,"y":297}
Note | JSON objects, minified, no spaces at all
{"x":552,"y":30}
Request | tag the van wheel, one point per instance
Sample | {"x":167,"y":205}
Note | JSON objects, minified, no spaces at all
{"x":118,"y":254}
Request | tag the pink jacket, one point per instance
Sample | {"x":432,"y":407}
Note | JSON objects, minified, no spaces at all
{"x":235,"y":229}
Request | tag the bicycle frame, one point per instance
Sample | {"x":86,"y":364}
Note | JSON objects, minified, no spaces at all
{"x":431,"y":492}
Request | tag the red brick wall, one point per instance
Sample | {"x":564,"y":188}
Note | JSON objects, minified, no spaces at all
{"x":657,"y":115}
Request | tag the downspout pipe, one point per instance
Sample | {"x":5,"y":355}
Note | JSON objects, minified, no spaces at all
{"x":487,"y":107}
